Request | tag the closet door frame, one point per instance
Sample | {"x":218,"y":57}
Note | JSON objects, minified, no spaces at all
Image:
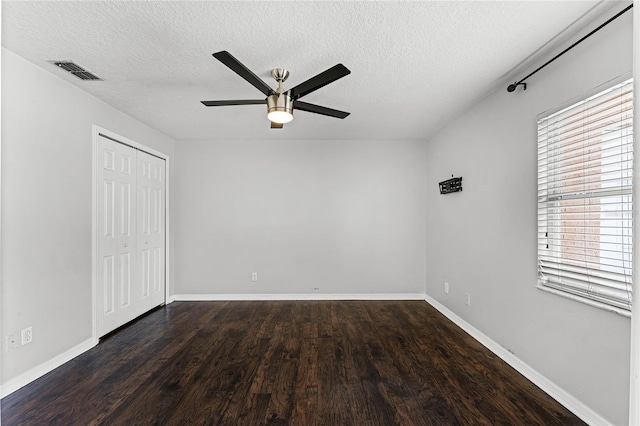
{"x":98,"y":132}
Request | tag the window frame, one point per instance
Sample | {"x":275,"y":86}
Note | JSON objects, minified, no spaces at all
{"x":609,"y":85}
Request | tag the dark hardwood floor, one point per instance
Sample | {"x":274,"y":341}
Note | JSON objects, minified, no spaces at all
{"x":294,"y":363}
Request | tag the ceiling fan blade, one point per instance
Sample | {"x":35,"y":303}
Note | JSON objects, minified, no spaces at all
{"x":244,"y":72}
{"x":275,"y":125}
{"x":238,"y":102}
{"x":305,"y":106}
{"x":314,"y":83}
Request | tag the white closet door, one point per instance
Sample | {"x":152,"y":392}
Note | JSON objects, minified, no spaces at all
{"x":151,"y":230}
{"x":117,"y":234}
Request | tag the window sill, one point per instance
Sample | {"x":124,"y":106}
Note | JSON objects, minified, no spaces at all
{"x":619,"y":311}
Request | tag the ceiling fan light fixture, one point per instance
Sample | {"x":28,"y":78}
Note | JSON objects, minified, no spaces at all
{"x":280,"y":108}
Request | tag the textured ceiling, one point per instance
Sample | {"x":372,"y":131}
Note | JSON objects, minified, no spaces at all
{"x":413,"y":65}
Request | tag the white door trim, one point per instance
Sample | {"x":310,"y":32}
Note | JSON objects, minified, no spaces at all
{"x":96,"y":132}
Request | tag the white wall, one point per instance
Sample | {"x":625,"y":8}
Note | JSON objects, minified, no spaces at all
{"x":46,"y":207}
{"x":345,"y":217}
{"x":483,"y":240}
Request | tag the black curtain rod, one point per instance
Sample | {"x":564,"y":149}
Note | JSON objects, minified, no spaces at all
{"x":513,"y":86}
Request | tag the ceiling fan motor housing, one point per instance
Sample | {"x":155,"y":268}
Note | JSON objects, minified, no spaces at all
{"x":280,"y":108}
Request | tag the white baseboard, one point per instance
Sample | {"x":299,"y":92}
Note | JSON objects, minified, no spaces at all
{"x":309,"y":296}
{"x":24,"y":379}
{"x":563,"y":397}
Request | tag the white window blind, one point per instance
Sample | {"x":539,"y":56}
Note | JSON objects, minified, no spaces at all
{"x":585,"y":166}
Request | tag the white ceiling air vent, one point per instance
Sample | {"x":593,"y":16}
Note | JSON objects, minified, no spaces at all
{"x":76,"y":70}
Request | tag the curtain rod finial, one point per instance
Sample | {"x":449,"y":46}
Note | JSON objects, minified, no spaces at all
{"x":513,"y":86}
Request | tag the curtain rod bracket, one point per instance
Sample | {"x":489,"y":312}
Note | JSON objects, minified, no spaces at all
{"x":513,"y":86}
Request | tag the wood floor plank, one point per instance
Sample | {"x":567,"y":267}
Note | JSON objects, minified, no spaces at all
{"x":305,"y":389}
{"x":286,"y":363}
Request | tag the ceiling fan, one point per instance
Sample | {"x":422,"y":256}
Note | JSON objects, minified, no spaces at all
{"x":281,"y":103}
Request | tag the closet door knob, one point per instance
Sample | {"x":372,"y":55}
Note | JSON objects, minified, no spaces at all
{"x":126,"y":244}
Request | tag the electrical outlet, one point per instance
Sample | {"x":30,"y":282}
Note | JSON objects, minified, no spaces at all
{"x":467,"y":299}
{"x":12,"y":340}
{"x":254,"y":276}
{"x":446,"y":287}
{"x":26,"y":335}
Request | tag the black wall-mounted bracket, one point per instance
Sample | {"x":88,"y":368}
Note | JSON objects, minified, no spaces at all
{"x":451,"y":185}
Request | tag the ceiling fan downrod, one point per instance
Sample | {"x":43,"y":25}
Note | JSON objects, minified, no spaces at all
{"x":280,"y":75}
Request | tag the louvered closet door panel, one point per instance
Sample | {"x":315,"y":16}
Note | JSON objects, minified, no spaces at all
{"x":116,"y":232}
{"x":151,"y":229}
